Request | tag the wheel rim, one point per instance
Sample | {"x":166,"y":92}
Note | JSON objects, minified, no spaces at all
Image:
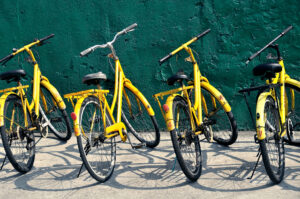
{"x":99,"y":153}
{"x":139,"y":121}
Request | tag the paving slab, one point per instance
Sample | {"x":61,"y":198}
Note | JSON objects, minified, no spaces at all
{"x":151,"y":173}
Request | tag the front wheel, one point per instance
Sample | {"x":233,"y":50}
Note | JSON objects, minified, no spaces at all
{"x":59,"y":121}
{"x":224,"y":128}
{"x":272,"y":148}
{"x":137,"y":119}
{"x":18,"y":141}
{"x":186,"y":145}
{"x":97,"y":152}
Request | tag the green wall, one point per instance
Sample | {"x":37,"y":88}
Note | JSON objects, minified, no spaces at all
{"x":239,"y":28}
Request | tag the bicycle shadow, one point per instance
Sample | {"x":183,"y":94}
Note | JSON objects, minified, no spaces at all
{"x":224,"y":169}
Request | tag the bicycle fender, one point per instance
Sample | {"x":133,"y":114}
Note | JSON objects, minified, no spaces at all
{"x":260,"y":115}
{"x":77,"y":114}
{"x":218,"y":95}
{"x":141,"y":97}
{"x":2,"y":105}
{"x":61,"y":104}
{"x":169,"y":112}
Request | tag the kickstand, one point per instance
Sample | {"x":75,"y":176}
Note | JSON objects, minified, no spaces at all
{"x":258,"y":155}
{"x":135,"y":146}
{"x":3,"y":162}
{"x":80,"y":170}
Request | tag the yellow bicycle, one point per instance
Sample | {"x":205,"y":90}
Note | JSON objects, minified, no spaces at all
{"x":275,"y":117}
{"x":19,"y":119}
{"x":194,"y":109}
{"x":94,"y":124}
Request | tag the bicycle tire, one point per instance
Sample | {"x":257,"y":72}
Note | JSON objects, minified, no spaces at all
{"x":60,"y":124}
{"x":100,"y":169}
{"x":225,"y":127}
{"x":143,"y":126}
{"x":182,"y":138}
{"x":19,"y":144}
{"x":293,"y":116}
{"x":272,"y":147}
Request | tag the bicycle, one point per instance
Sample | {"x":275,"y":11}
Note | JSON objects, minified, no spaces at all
{"x":19,"y":119}
{"x":183,"y":115}
{"x":94,"y":124}
{"x":274,"y":117}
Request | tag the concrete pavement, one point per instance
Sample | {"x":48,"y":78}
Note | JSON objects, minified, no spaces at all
{"x":146,"y":173}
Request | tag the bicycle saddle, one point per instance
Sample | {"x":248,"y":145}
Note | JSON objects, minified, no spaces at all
{"x":267,"y":70}
{"x":178,"y":77}
{"x":94,"y":78}
{"x":13,"y":75}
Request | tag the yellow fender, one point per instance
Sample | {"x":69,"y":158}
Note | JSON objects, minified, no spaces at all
{"x":141,"y":97}
{"x":168,"y":108}
{"x":260,"y":115}
{"x":45,"y":82}
{"x":75,"y":116}
{"x":2,"y":105}
{"x":217,"y":94}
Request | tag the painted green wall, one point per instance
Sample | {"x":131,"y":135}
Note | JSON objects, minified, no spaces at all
{"x":239,"y":28}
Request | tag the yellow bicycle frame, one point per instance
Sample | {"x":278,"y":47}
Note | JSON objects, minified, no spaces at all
{"x":281,"y":78}
{"x":195,"y":110}
{"x":38,"y":80}
{"x":120,"y":82}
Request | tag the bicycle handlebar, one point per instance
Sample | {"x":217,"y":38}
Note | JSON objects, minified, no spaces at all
{"x":47,"y":37}
{"x":124,"y":31}
{"x":38,"y":41}
{"x":269,"y":44}
{"x":165,"y":58}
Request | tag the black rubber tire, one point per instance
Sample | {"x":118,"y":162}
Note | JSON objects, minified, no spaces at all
{"x":293,"y":118}
{"x":55,"y":112}
{"x":28,"y":155}
{"x":189,"y":141}
{"x":222,"y":119}
{"x":272,"y":147}
{"x":138,"y":126}
{"x":88,"y":163}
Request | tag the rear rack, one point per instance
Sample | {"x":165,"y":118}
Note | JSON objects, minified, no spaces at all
{"x":76,"y":95}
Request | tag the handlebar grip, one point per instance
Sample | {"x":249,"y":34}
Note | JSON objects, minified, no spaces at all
{"x":130,"y":27}
{"x":162,"y":60}
{"x":85,"y":52}
{"x":203,"y":33}
{"x":47,"y":37}
{"x":8,"y":57}
{"x":286,"y":30}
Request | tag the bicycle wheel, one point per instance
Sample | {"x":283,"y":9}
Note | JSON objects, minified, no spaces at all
{"x":185,"y":144}
{"x":293,"y":116}
{"x":18,"y":142}
{"x":97,"y":153}
{"x":272,"y":148}
{"x":224,"y":126}
{"x":134,"y":114}
{"x":59,"y":121}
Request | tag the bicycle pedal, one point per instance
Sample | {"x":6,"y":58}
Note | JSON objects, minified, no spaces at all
{"x":138,"y":146}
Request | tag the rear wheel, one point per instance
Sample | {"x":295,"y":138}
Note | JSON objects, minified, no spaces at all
{"x":224,"y":128}
{"x":17,"y":140}
{"x":293,"y":117}
{"x":186,"y":145}
{"x":97,"y":152}
{"x":272,"y":147}
{"x":134,"y":114}
{"x":59,"y":121}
